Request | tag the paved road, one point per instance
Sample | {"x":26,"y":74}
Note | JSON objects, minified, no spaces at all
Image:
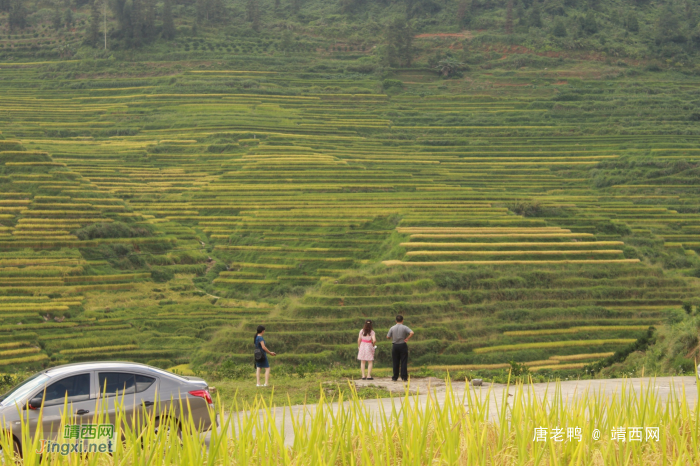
{"x":569,"y":390}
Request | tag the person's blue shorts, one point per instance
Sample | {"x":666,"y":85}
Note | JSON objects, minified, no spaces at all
{"x":264,"y":364}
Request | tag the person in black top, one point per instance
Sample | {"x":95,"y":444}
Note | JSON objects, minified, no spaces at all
{"x":260,"y":344}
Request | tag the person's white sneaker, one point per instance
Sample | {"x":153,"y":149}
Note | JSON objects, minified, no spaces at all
{"x":258,"y":385}
{"x":265,"y":385}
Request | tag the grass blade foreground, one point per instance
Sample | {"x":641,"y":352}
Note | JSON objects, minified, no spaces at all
{"x":472,"y":428}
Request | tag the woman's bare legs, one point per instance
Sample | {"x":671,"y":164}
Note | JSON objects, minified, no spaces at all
{"x":369,"y":368}
{"x":267,"y":375}
{"x":257,"y":375}
{"x":362,"y":368}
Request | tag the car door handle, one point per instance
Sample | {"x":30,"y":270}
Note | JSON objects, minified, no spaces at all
{"x":80,"y":412}
{"x":148,"y":403}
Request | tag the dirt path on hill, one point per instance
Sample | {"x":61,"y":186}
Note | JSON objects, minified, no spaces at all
{"x":460,"y":35}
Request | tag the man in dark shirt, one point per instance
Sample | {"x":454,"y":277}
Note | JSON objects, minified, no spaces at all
{"x":400,"y":334}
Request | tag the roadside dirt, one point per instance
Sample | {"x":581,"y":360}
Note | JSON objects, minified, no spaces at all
{"x":417,"y":385}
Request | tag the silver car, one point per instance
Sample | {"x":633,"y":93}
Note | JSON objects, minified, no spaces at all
{"x":140,"y":388}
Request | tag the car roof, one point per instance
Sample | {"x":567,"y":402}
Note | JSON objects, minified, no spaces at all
{"x":104,"y":365}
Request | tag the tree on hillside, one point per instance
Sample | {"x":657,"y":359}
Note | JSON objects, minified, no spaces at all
{"x":253,"y":14}
{"x":68,"y":18}
{"x":5,"y":5}
{"x":148,"y":22}
{"x":559,"y":28}
{"x":690,"y":14}
{"x":464,"y":12}
{"x":122,"y":13}
{"x":212,"y":11}
{"x":56,"y":18}
{"x":520,"y":14}
{"x":421,"y":8}
{"x":93,"y":34}
{"x":287,"y":40}
{"x":399,"y":43}
{"x":588,"y":24}
{"x":668,"y":27}
{"x":509,"y":17}
{"x":168,"y":23}
{"x":17,"y":17}
{"x":461,"y":11}
{"x":535,"y":19}
{"x":449,"y":67}
{"x":350,"y":6}
{"x":554,"y":7}
{"x":631,"y":22}
{"x":295,"y":5}
{"x":695,"y":37}
{"x":201,"y":10}
{"x":136,"y":24}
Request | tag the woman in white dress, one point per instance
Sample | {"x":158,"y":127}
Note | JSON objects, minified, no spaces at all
{"x":365,"y":346}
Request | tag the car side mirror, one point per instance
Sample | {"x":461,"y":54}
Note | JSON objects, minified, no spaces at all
{"x":35,"y":403}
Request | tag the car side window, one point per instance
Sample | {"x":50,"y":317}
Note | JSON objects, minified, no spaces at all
{"x":76,"y":387}
{"x":143,"y":382}
{"x":123,"y":383}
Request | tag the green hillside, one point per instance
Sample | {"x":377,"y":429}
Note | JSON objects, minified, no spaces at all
{"x":516,"y":200}
{"x":665,"y":34}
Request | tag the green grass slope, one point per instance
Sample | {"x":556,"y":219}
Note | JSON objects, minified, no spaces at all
{"x":160,"y":213}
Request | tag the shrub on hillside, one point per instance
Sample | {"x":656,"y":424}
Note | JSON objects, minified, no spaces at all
{"x":7,"y":381}
{"x":448,"y":68}
{"x":231,"y":370}
{"x":161,"y":363}
{"x":642,"y":343}
{"x":161,"y":274}
{"x":559,"y":29}
{"x":392,"y":84}
{"x":614,"y":228}
{"x":534,"y":209}
{"x":111,"y":230}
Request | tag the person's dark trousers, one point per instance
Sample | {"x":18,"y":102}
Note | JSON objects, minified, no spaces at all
{"x":399,"y":355}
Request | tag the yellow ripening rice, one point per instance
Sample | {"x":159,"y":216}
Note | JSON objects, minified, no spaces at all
{"x":13,"y":344}
{"x":554,"y":344}
{"x":591,"y":328}
{"x":504,"y":235}
{"x":237,"y":281}
{"x":261,"y":266}
{"x":391,"y":263}
{"x":100,"y":349}
{"x":514,"y":245}
{"x":24,"y":360}
{"x":19,"y":351}
{"x":512,"y":253}
{"x":476,"y":229}
{"x":577,"y":357}
{"x":559,"y":366}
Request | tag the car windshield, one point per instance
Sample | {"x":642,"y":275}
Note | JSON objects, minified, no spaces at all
{"x":23,"y":389}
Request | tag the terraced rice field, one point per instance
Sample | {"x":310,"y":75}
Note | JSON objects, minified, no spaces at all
{"x":504,"y":225}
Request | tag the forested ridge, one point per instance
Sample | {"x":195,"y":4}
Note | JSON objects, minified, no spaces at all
{"x":665,"y":33}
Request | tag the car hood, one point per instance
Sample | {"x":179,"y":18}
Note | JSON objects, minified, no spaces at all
{"x":10,"y":412}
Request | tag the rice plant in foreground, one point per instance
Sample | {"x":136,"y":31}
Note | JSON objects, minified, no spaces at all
{"x":630,"y":427}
